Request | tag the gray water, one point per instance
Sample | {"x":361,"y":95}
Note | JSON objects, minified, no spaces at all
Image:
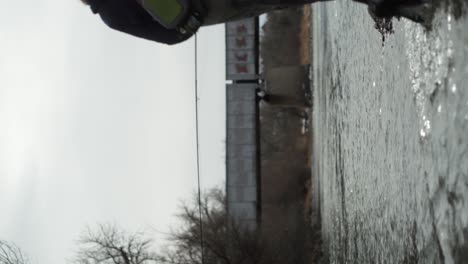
{"x":390,"y":128}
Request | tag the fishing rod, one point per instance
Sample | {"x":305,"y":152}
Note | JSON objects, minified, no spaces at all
{"x":197,"y":132}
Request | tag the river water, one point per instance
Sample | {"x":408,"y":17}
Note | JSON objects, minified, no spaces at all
{"x":390,"y":129}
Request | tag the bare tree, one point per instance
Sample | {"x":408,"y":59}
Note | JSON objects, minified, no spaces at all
{"x":224,"y":242}
{"x":11,"y":254}
{"x":110,"y":245}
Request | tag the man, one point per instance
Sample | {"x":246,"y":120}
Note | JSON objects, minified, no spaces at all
{"x":140,"y":18}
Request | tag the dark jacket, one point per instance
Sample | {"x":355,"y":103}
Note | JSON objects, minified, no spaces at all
{"x":129,"y":17}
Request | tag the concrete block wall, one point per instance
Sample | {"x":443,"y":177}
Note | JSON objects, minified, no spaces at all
{"x":241,"y":154}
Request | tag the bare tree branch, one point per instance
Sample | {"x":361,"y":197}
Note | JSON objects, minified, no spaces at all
{"x":110,"y":245}
{"x":11,"y":254}
{"x":224,"y":241}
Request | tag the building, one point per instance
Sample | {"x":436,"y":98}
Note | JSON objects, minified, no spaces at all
{"x":242,"y":159}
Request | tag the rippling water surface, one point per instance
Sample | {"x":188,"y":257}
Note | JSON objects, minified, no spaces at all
{"x":390,"y":137}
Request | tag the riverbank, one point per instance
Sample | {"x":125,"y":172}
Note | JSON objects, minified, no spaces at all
{"x":285,"y":138}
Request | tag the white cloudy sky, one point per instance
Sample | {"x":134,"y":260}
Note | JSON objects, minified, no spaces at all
{"x":97,"y":126}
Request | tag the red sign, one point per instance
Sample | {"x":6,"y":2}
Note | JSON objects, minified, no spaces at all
{"x":241,"y":54}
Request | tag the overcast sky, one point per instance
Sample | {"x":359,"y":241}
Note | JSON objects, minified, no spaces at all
{"x":98,"y":126}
